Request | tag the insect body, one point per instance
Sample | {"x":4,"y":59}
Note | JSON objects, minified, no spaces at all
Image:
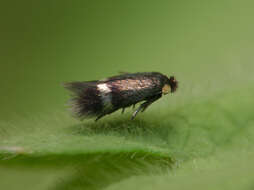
{"x":101,"y":97}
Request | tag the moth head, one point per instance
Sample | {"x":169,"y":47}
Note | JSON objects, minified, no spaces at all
{"x":170,"y":86}
{"x":173,"y":83}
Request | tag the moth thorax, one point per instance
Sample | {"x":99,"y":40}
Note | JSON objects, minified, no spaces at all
{"x":166,"y":89}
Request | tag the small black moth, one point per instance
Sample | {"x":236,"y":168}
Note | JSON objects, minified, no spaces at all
{"x":101,"y":97}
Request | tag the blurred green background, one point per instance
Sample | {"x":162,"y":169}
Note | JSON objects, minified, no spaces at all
{"x":207,"y":45}
{"x":44,"y":43}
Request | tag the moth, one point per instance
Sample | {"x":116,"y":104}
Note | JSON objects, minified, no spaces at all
{"x":102,"y":97}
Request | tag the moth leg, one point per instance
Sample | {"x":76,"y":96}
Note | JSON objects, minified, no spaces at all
{"x":145,"y":105}
{"x":100,"y":116}
{"x":149,"y":102}
{"x":123,"y":110}
{"x":136,"y":112}
{"x":141,"y":107}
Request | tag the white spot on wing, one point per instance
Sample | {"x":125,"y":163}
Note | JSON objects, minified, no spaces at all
{"x":103,"y":88}
{"x":106,"y":97}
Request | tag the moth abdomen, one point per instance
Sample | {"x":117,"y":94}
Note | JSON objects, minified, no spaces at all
{"x":99,"y":98}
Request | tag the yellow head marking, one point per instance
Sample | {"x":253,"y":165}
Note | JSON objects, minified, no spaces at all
{"x":166,"y":89}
